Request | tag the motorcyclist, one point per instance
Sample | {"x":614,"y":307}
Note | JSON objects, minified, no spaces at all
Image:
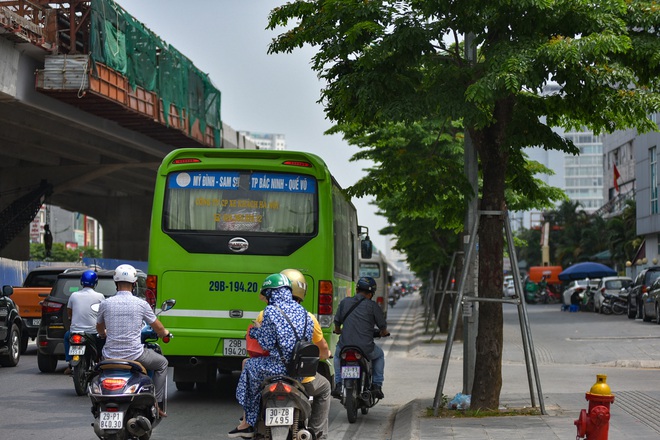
{"x":121,"y":319}
{"x":355,"y":321}
{"x":316,"y":386}
{"x":275,"y":334}
{"x":81,"y":315}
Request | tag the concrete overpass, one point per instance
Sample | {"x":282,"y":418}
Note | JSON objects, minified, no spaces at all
{"x":95,"y":157}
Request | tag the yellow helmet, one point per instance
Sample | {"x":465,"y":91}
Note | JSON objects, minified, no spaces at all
{"x":298,"y":283}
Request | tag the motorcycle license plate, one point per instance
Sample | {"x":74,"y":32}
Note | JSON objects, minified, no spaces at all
{"x":36,"y":321}
{"x":76,"y":350}
{"x":111,"y":420}
{"x":351,"y":372}
{"x":234,"y":347}
{"x":279,"y":416}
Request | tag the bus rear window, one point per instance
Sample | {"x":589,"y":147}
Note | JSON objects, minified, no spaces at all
{"x":230,"y":201}
{"x":370,"y":270}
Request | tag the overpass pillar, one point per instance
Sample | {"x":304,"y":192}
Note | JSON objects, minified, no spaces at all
{"x":125,"y":222}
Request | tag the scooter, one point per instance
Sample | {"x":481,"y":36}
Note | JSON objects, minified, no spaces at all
{"x":285,"y":409}
{"x":391,"y":300}
{"x":613,"y":304}
{"x":356,"y":377}
{"x":123,"y":395}
{"x":84,"y":353}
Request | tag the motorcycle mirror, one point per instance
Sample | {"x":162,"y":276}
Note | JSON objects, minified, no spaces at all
{"x":167,"y":305}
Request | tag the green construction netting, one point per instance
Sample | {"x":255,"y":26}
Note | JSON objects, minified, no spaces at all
{"x":124,"y":44}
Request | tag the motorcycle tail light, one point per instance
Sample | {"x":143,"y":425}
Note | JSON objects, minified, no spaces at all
{"x":351,"y":356}
{"x":280,"y":387}
{"x":380,"y":300}
{"x":76,"y":339}
{"x":113,"y":384}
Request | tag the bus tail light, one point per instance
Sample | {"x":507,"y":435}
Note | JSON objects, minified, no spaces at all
{"x":152,"y":290}
{"x":326,"y":298}
{"x":297,"y":163}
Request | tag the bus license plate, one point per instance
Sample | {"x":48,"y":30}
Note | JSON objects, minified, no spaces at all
{"x":111,"y":420}
{"x":352,"y":372}
{"x":77,"y":350}
{"x":235,"y":347}
{"x":279,"y":416}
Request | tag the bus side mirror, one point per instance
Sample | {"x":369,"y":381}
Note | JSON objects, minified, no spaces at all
{"x":366,"y":248}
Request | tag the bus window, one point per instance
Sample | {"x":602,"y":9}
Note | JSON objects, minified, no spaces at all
{"x":229,"y":201}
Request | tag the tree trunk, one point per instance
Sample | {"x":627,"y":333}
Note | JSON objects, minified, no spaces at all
{"x":493,"y":158}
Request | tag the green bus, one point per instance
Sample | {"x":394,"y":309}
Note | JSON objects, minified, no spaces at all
{"x":222,"y":221}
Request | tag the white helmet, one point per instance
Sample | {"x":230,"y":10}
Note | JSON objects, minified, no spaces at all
{"x":125,"y":273}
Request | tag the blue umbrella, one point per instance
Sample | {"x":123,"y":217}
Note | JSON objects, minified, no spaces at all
{"x":580,"y":271}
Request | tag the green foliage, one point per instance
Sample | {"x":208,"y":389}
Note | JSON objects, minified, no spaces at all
{"x":60,"y":253}
{"x":387,"y":62}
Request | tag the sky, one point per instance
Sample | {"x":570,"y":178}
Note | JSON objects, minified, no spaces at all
{"x":228,"y":40}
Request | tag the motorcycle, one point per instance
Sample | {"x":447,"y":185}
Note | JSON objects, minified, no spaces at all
{"x":391,"y":300}
{"x":84,"y":353}
{"x":613,"y":304}
{"x":285,"y":409}
{"x":123,"y":395}
{"x":356,"y":377}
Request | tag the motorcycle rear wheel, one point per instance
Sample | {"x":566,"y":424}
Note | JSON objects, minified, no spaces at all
{"x":351,"y":405}
{"x":618,"y":308}
{"x":80,"y":376}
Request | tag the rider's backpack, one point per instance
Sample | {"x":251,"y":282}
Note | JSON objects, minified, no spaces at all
{"x":305,"y":356}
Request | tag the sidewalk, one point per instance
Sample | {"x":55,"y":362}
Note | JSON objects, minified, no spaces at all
{"x":633,"y":413}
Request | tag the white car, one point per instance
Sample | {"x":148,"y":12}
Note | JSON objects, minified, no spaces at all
{"x":508,"y":287}
{"x":578,"y":286}
{"x":611,"y":285}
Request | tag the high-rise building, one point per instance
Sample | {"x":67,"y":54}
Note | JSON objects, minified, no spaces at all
{"x":580,"y":176}
{"x":266,"y":141}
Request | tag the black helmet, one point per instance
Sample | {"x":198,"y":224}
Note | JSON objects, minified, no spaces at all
{"x":366,"y":284}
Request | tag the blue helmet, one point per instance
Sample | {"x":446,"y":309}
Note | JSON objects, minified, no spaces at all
{"x":366,"y":284}
{"x":89,"y":279}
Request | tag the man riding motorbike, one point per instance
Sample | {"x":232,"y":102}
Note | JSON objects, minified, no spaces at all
{"x":121,"y":319}
{"x":355,"y":321}
{"x":81,"y":315}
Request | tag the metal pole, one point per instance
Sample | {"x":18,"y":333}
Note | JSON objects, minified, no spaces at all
{"x":471,"y":314}
{"x":452,"y":330}
{"x":444,"y":292}
{"x":525,"y":330}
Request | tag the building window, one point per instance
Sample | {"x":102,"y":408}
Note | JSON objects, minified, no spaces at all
{"x":653,"y":178}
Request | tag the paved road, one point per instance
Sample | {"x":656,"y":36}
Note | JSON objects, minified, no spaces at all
{"x":571,"y":348}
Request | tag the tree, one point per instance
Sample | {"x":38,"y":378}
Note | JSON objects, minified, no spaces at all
{"x":60,"y":253}
{"x":389,"y":61}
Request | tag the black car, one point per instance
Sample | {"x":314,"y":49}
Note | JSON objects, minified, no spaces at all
{"x":10,"y":330}
{"x":640,"y":287}
{"x":55,"y":319}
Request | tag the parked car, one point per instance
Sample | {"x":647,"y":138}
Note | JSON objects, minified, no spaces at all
{"x":55,"y":320}
{"x":611,"y":285}
{"x":639,"y":287}
{"x":10,"y":329}
{"x":507,"y":285}
{"x":28,"y":297}
{"x":651,"y":303}
{"x":578,"y":287}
